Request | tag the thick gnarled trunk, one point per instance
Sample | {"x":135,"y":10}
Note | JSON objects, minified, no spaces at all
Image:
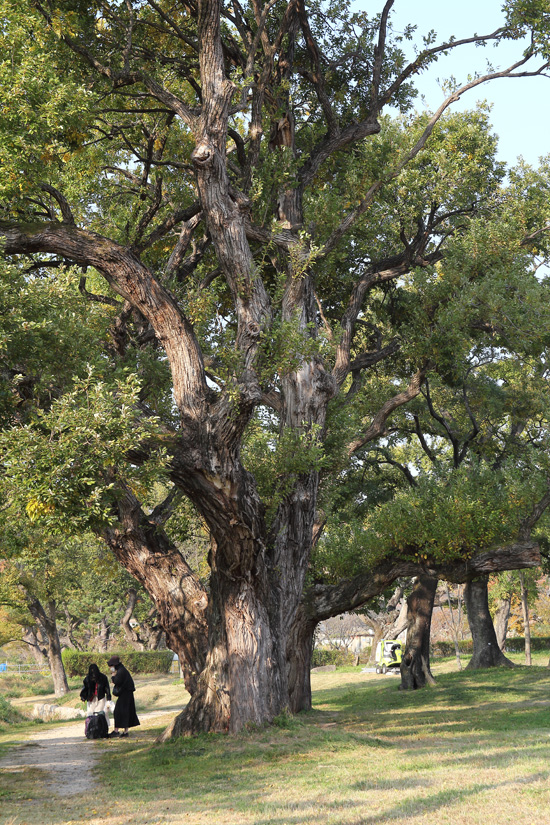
{"x":486,"y":650}
{"x":241,"y":683}
{"x":415,"y":664}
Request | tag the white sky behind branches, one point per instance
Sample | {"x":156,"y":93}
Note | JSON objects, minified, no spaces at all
{"x":521,"y":107}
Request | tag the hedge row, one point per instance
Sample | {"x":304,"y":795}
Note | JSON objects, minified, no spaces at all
{"x":538,"y":643}
{"x":514,"y":644}
{"x":448,"y":648}
{"x":322,"y":657}
{"x":77,"y":663}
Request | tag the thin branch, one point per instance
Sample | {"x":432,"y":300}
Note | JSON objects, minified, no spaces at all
{"x":379,"y":53}
{"x":317,"y":75}
{"x":182,"y":244}
{"x":98,"y":299}
{"x":66,"y":212}
{"x":529,"y":522}
{"x":347,"y":137}
{"x":169,"y":223}
{"x":422,"y":439}
{"x":165,"y":509}
{"x":377,"y":426}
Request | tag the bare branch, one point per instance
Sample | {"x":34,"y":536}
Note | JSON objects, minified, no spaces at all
{"x":529,"y":522}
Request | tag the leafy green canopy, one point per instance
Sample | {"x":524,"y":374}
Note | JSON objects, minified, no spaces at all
{"x":67,"y":463}
{"x":122,"y":161}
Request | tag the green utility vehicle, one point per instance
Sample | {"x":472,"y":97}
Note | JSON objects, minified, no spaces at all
{"x":389,"y":653}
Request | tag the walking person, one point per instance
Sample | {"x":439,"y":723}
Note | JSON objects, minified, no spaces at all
{"x":123,"y":688}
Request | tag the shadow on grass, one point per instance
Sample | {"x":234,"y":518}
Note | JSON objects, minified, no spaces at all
{"x":360,"y":741}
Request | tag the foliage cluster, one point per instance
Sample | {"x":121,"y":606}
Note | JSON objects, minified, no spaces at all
{"x":8,"y":714}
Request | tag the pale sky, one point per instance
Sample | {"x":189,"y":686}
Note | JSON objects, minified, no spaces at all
{"x":521,"y":110}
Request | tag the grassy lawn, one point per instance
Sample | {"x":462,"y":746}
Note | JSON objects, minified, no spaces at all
{"x":475,"y":749}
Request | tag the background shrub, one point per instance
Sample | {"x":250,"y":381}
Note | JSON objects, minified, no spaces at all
{"x":514,"y":644}
{"x":8,"y":714}
{"x":324,"y":656}
{"x":77,"y":662}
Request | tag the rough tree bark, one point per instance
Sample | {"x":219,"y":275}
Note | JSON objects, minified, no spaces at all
{"x":415,"y":664}
{"x":486,"y":652}
{"x":153,"y":632}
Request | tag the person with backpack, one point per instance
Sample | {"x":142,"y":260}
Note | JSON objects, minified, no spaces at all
{"x":123,"y":688}
{"x":96,"y":693}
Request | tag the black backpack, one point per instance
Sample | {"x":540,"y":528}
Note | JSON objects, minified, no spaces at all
{"x":95,"y":726}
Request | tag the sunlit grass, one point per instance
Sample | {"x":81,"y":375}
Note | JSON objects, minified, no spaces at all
{"x":474,"y":749}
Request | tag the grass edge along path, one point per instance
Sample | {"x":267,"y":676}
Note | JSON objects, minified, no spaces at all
{"x":474,"y":749}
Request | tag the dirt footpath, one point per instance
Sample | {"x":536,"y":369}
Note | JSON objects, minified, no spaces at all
{"x":64,"y":753}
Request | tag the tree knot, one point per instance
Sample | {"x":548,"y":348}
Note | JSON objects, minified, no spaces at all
{"x":203,"y":154}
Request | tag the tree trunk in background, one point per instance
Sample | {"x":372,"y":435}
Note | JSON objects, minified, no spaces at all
{"x":486,"y":652}
{"x":103,"y":636}
{"x":45,"y":617}
{"x":131,"y":636}
{"x":71,"y":625}
{"x":153,"y":632}
{"x":526,"y":625}
{"x":37,"y":648}
{"x":415,"y":664}
{"x":378,"y":634}
{"x":502,"y":616}
{"x":299,"y":657}
{"x":455,"y":623}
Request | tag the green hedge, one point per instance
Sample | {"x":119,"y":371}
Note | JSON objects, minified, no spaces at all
{"x":448,"y":648}
{"x":77,"y":663}
{"x":322,"y":657}
{"x":514,"y":644}
{"x":517,"y":644}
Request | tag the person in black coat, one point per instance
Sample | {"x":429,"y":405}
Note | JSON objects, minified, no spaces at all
{"x":123,"y":688}
{"x":96,"y":691}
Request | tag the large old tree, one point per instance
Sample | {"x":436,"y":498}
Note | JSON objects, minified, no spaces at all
{"x":228,"y":171}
